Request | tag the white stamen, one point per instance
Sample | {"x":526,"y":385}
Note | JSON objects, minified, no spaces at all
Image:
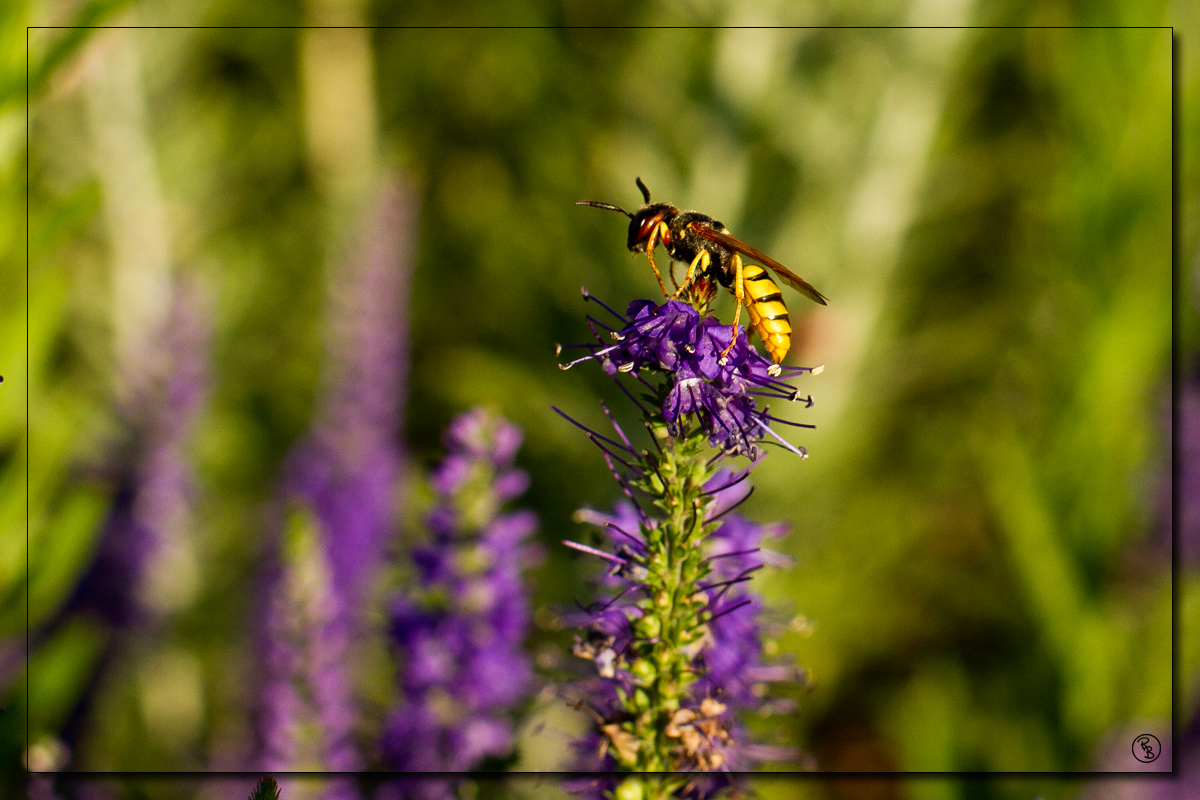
{"x":583,"y":548}
{"x":557,"y":349}
{"x":605,"y":662}
{"x":626,"y":367}
{"x":774,"y":370}
{"x":818,"y":370}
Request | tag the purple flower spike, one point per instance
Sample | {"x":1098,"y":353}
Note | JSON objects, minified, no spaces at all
{"x":676,"y":340}
{"x":459,"y":636}
{"x":349,"y":465}
{"x":677,"y":639}
{"x":306,"y":644}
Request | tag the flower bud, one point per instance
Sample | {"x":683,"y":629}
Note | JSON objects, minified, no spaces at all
{"x":629,"y":789}
{"x":649,"y":626}
{"x":644,"y":672}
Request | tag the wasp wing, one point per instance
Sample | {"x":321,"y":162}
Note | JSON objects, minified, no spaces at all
{"x":738,"y":246}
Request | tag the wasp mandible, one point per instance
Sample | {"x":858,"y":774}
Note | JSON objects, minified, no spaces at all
{"x":712,"y":253}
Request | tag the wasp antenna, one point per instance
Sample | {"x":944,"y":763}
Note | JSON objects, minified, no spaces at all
{"x":609,"y":206}
{"x":645,"y":191}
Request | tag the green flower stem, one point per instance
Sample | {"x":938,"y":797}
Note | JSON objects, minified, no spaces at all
{"x":673,"y":627}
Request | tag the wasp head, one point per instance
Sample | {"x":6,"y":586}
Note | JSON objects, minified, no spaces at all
{"x":643,"y":223}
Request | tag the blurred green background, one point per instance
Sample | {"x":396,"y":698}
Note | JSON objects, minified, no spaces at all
{"x":982,"y":531}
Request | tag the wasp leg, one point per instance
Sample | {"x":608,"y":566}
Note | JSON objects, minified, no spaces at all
{"x":654,"y":237}
{"x":739,"y":293}
{"x":703,"y":259}
{"x":665,"y":232}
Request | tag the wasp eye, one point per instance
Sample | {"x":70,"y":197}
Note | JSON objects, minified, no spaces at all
{"x":640,"y":230}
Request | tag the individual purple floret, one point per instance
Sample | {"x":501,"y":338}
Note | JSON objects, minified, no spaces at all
{"x":733,"y":667}
{"x":459,"y":636}
{"x":676,"y":340}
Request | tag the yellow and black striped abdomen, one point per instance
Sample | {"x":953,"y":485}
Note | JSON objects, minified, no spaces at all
{"x":768,"y":315}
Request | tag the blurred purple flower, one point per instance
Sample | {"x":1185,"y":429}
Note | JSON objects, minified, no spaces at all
{"x":346,"y":475}
{"x":305,"y":639}
{"x":460,"y":634}
{"x":348,"y":468}
{"x":135,"y":576}
{"x":676,"y":340}
{"x":280,"y":704}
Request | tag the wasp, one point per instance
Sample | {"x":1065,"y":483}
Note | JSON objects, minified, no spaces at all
{"x":713,"y":254}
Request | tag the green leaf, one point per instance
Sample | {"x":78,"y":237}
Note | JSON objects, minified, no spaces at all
{"x":59,"y":672}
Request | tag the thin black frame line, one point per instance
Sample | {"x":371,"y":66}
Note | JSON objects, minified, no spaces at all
{"x":385,"y":777}
{"x":1175,"y":377}
{"x":609,"y":27}
{"x":1177,"y":370}
{"x":28,"y":449}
